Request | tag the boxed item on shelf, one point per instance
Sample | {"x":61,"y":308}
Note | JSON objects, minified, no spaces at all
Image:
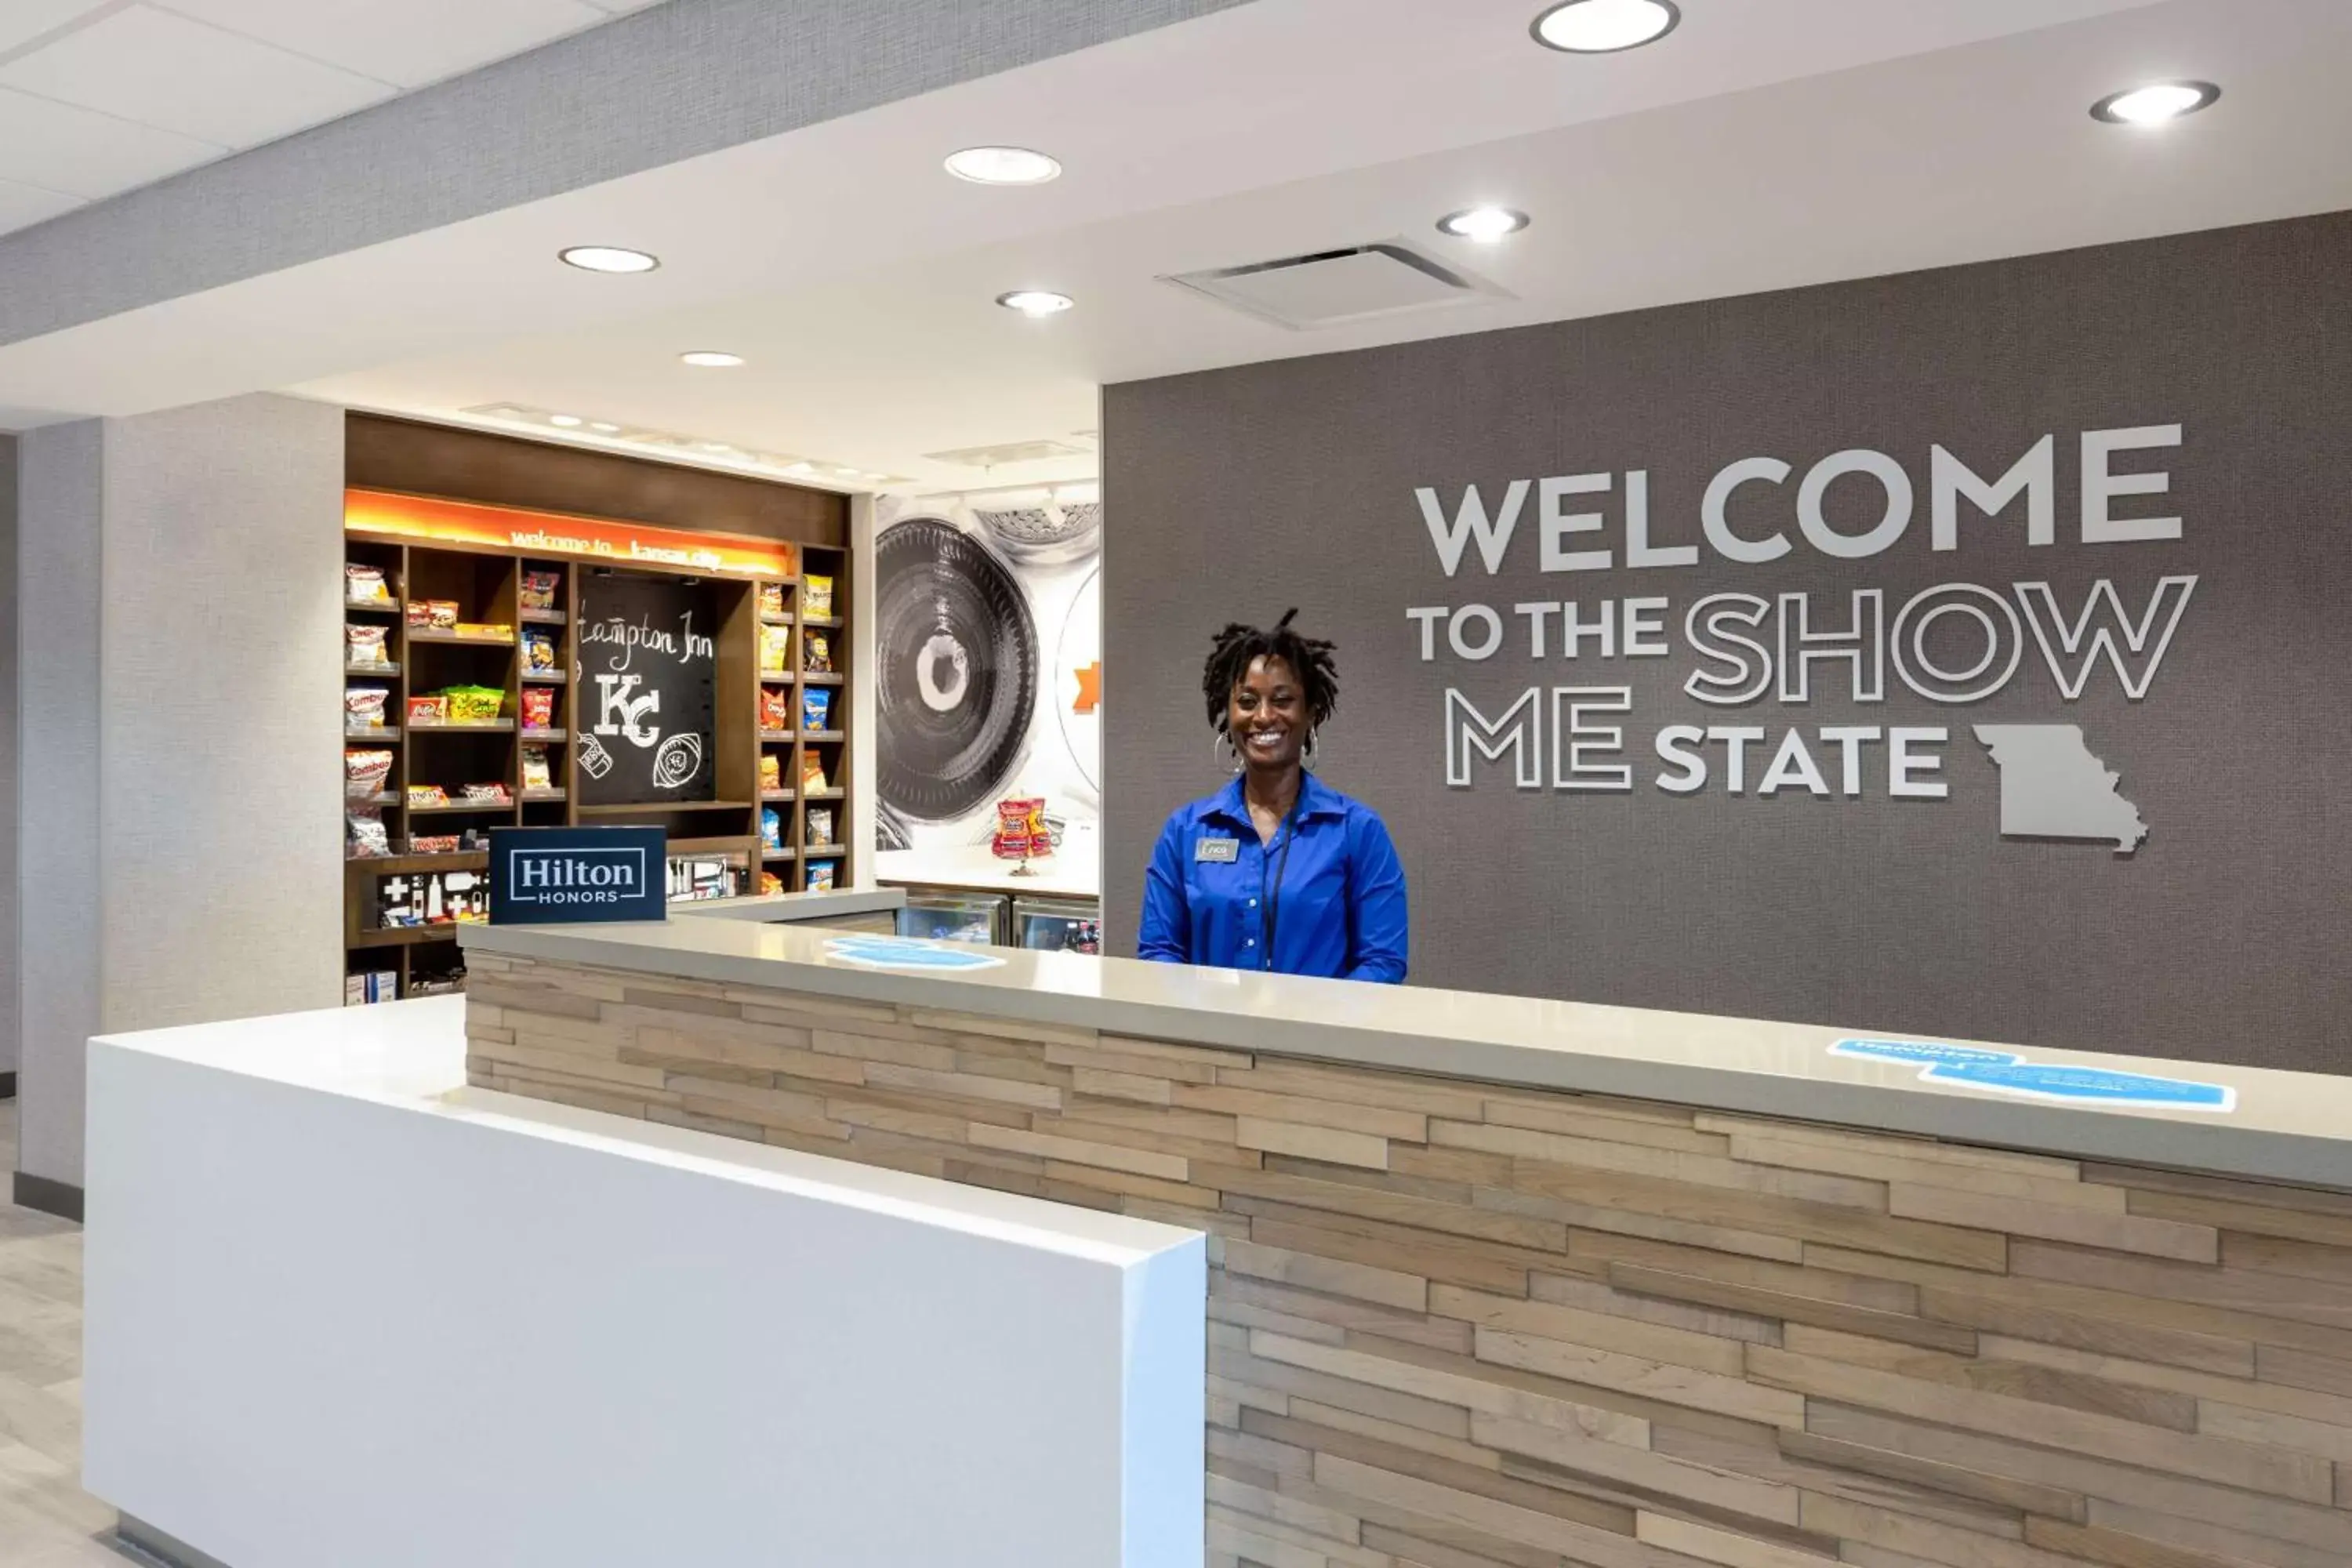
{"x":364,"y":707}
{"x":484,"y":629}
{"x":433,"y":843}
{"x":433,"y":898}
{"x":377,"y":986}
{"x":775,"y":650}
{"x":365,"y":584}
{"x":439,"y":614}
{"x":365,"y":645}
{"x":364,"y":772}
{"x":540,"y":588}
{"x":428,"y":710}
{"x":694,"y":877}
{"x":816,"y":597}
{"x":816,"y":653}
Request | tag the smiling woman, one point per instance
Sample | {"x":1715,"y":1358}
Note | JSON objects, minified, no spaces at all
{"x":1277,"y":841}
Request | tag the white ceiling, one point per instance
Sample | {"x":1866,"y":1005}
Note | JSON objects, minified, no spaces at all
{"x":1766,"y":143}
{"x":97,"y":96}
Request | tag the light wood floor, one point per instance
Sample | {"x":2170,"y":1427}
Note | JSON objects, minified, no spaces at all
{"x":46,"y":1521}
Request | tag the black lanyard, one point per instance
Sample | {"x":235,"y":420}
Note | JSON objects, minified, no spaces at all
{"x":1271,"y":904}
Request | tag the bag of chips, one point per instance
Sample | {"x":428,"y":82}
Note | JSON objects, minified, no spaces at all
{"x":816,"y":707}
{"x":776,"y":709}
{"x":365,"y":584}
{"x":365,"y":645}
{"x":475,"y":704}
{"x":816,"y":597}
{"x":820,"y":876}
{"x":540,"y":588}
{"x":812,"y":773}
{"x":770,"y":884}
{"x":538,"y":650}
{"x":816,"y":654}
{"x":771,"y":598}
{"x":364,"y":772}
{"x":538,"y":708}
{"x":364,"y":707}
{"x":775,"y":650}
{"x":772,"y":771}
{"x":428,"y":795}
{"x":820,"y":826}
{"x":536,"y":773}
{"x":364,"y":833}
{"x":772,"y":827}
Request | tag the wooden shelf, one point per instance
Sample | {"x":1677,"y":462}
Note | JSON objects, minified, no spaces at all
{"x":410,"y":936}
{"x":825,"y":851}
{"x":541,"y":796}
{"x":381,"y":732}
{"x":370,"y":670}
{"x":732,"y":844}
{"x":775,"y":678}
{"x":665,"y":806}
{"x":546,"y":735}
{"x":783,"y":620}
{"x":463,"y":639}
{"x":542,"y":618}
{"x":466,"y":726}
{"x":821,"y":622}
{"x":459,"y":807}
{"x":772,"y":796}
{"x":778,"y":737}
{"x":544,"y":678}
{"x":771,"y":855}
{"x":381,"y":798}
{"x":822,"y":680}
{"x":402,"y":865}
{"x":824,"y":737}
{"x":373,"y":607}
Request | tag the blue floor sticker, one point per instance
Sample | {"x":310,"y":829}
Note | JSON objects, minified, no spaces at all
{"x":905,"y":952}
{"x":2006,"y":1072}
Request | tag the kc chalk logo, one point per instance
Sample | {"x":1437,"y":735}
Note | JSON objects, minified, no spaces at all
{"x":541,"y":876}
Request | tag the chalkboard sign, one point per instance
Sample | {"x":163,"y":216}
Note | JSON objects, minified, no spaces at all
{"x":646,"y":666}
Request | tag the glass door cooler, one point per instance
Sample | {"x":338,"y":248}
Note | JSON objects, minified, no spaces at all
{"x":978,"y":918}
{"x":1057,"y":925}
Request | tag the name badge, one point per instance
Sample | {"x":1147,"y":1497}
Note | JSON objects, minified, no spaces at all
{"x":1226,"y":849}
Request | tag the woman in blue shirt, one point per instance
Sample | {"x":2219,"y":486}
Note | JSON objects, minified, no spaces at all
{"x":1276,"y":871}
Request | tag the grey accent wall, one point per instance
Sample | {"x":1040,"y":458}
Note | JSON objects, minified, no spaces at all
{"x":8,"y":957}
{"x":180,"y":836}
{"x":2226,"y":936}
{"x":663,"y":85}
{"x":62,"y":867}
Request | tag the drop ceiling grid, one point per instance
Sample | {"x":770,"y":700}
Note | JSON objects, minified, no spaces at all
{"x":99,"y":97}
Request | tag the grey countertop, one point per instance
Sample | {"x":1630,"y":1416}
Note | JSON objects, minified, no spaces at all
{"x":2280,"y":1126}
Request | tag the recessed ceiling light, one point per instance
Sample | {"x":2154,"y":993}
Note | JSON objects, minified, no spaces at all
{"x":1487,"y":224}
{"x":566,"y":421}
{"x":1003,"y":166}
{"x":710,"y":359}
{"x":1035,"y":301}
{"x":1604,"y":26}
{"x":2155,"y":103}
{"x":607,"y":259}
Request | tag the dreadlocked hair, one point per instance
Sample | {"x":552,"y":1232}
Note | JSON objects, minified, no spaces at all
{"x":1239,"y":646}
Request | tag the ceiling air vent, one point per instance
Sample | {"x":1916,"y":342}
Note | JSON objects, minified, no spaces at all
{"x":1333,"y":288}
{"x":1008,"y":454}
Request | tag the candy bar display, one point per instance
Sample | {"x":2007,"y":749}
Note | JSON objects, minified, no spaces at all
{"x":365,"y":584}
{"x":364,"y":772}
{"x":820,"y":826}
{"x":365,"y":645}
{"x":375,"y":985}
{"x":489,"y":631}
{"x":776,"y":709}
{"x":771,"y":598}
{"x":772,"y":771}
{"x":816,"y":654}
{"x":434,"y":898}
{"x":364,"y":835}
{"x":488,"y":795}
{"x":538,"y":708}
{"x":435,"y":844}
{"x":436,"y":615}
{"x":364,"y":707}
{"x":820,"y":876}
{"x":428,"y":795}
{"x":816,"y":597}
{"x":816,"y":707}
{"x":772,"y":829}
{"x":775,"y":650}
{"x":538,"y":650}
{"x":537,"y":773}
{"x":540,"y":588}
{"x":812,"y":774}
{"x":428,"y":711}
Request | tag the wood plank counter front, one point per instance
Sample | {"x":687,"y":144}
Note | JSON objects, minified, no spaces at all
{"x":1478,"y":1324}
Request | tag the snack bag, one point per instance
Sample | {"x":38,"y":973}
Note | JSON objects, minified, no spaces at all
{"x":489,"y":795}
{"x":770,"y":884}
{"x":441,"y":615}
{"x":820,"y":826}
{"x":820,"y":876}
{"x":771,"y":829}
{"x":364,"y":833}
{"x":771,"y":598}
{"x":475,"y":704}
{"x":364,"y":772}
{"x":816,"y":597}
{"x":775,"y":650}
{"x":540,"y":588}
{"x":816,"y":654}
{"x":538,"y":650}
{"x":365,"y":584}
{"x":428,"y":795}
{"x":812,"y":773}
{"x":816,"y":707}
{"x":364,"y":707}
{"x":364,"y":645}
{"x":776,"y":708}
{"x":536,"y":773}
{"x":772,"y":771}
{"x":538,"y":708}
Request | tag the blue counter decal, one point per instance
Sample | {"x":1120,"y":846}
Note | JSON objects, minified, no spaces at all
{"x":904,"y":953}
{"x":2006,"y":1072}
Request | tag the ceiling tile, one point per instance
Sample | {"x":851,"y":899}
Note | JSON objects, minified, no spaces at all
{"x":21,"y":21}
{"x":23,"y":205}
{"x":177,"y":74}
{"x":87,"y":153}
{"x":408,"y":42}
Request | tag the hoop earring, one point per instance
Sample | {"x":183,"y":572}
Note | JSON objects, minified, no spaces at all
{"x":1220,"y":747}
{"x":1306,"y":756}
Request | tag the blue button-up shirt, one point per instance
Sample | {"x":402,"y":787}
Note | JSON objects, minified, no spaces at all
{"x":1332,"y":906}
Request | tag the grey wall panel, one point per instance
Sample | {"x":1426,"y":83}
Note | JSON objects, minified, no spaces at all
{"x":677,"y":81}
{"x":2226,"y":935}
{"x":61,"y":866}
{"x":8,"y":957}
